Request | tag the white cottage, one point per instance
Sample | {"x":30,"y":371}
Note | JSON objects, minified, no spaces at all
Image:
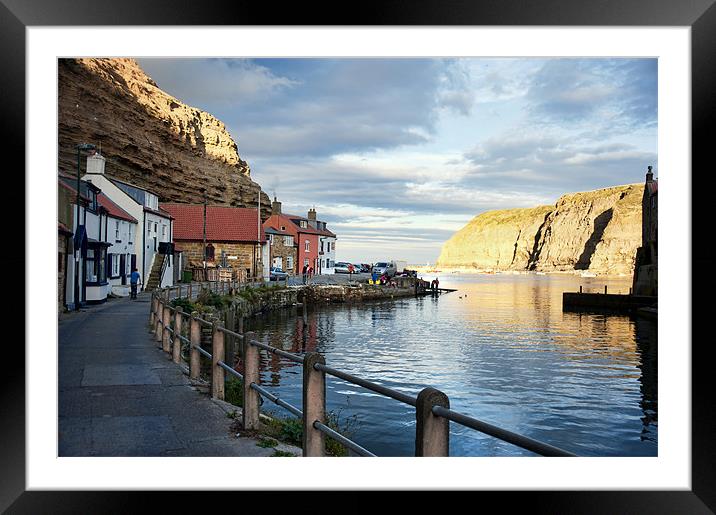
{"x":153,"y":240}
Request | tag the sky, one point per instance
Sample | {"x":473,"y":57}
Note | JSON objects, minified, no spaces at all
{"x":396,"y":155}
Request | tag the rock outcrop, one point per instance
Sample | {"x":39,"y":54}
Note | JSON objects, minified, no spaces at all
{"x":597,"y":231}
{"x":149,"y":138}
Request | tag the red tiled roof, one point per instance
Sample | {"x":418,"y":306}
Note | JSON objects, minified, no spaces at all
{"x":223,"y":223}
{"x":113,"y":209}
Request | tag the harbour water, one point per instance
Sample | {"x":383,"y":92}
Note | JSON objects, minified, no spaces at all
{"x":501,"y":349}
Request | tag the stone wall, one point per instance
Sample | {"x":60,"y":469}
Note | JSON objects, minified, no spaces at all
{"x":278,"y":249}
{"x":193,"y":255}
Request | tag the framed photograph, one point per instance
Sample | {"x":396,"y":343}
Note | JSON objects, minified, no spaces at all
{"x":571,"y":52}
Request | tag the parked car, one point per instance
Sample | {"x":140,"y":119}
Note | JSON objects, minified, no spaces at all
{"x":387,"y":268}
{"x":341,"y":267}
{"x":364,"y":267}
{"x":357,"y":268}
{"x":277,"y":274}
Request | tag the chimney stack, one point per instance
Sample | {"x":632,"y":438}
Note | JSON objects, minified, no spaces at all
{"x":95,"y":163}
{"x":312,"y":218}
{"x":275,"y":206}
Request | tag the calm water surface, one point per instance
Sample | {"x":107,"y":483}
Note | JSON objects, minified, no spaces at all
{"x":502,"y":350}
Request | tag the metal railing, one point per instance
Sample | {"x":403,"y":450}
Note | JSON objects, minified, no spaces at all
{"x":432,"y":407}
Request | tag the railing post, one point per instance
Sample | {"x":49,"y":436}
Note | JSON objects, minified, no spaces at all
{"x":195,"y":339}
{"x":251,"y":375}
{"x":580,"y":288}
{"x":605,"y":289}
{"x":217,"y":354}
{"x":176,"y":347}
{"x":314,"y":405}
{"x":152,"y":311}
{"x":432,"y":433}
{"x":158,"y":328}
{"x":166,"y":343}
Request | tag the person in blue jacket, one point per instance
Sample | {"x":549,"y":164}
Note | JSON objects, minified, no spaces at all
{"x":134,"y":279}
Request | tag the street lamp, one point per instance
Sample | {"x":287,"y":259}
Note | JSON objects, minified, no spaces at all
{"x":80,"y":147}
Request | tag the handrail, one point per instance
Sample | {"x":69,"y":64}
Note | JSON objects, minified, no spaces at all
{"x":502,"y":434}
{"x":434,"y":407}
{"x":388,"y":392}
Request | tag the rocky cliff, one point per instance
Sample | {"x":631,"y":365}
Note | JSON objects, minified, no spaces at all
{"x":597,"y":231}
{"x":149,"y":138}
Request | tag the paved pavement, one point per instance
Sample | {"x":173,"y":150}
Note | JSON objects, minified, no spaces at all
{"x":121,"y":395}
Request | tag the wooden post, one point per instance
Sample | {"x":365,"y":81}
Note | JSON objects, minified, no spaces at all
{"x":605,"y":289}
{"x":176,"y":347}
{"x":152,"y":311}
{"x":166,"y":343}
{"x":251,"y":375}
{"x":580,"y":288}
{"x":314,"y":405}
{"x":217,"y":354}
{"x":432,"y":434}
{"x":240,"y":330}
{"x":629,"y":290}
{"x":195,"y":338}
{"x":158,"y":328}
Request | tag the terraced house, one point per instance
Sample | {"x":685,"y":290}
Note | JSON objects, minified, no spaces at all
{"x":315,"y":245}
{"x":233,"y":234}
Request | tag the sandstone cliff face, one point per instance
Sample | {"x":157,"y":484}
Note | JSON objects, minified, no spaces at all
{"x":597,"y":231}
{"x":149,"y":138}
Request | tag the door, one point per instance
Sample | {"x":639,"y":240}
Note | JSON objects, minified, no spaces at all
{"x":123,"y":268}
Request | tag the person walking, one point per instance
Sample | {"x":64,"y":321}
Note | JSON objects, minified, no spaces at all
{"x":305,"y":273}
{"x":134,"y":280}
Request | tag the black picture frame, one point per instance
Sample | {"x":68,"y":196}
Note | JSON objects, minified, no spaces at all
{"x":700,"y":15}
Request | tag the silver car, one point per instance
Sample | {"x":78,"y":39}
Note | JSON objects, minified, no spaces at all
{"x":387,"y":268}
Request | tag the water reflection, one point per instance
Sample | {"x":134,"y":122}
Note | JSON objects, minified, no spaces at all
{"x":503,"y":351}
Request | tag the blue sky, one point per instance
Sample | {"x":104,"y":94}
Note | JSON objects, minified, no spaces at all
{"x":398,"y":154}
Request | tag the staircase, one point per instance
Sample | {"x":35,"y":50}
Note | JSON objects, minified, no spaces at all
{"x":155,"y":276}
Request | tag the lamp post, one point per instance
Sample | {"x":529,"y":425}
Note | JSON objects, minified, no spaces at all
{"x":80,"y":147}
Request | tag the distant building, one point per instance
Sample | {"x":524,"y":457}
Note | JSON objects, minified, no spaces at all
{"x":282,"y":249}
{"x":645,"y":265}
{"x":314,"y":243}
{"x":233,"y":234}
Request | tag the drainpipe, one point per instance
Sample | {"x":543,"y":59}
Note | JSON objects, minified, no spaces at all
{"x":144,"y":246}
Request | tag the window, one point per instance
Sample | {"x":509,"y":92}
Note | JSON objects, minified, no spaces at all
{"x":289,"y":262}
{"x":308,"y":246}
{"x":271,"y":239}
{"x":155,"y":226}
{"x":95,"y":265}
{"x":130,"y":233}
{"x":288,"y":241}
{"x":303,"y":224}
{"x":114,"y":260}
{"x":116,"y":230}
{"x":321,"y":245}
{"x":305,"y":262}
{"x":283,"y":227}
{"x":209,"y":252}
{"x":91,"y":272}
{"x":164,"y":231}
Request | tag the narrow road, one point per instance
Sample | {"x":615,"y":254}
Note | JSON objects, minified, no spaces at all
{"x":121,"y":395}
